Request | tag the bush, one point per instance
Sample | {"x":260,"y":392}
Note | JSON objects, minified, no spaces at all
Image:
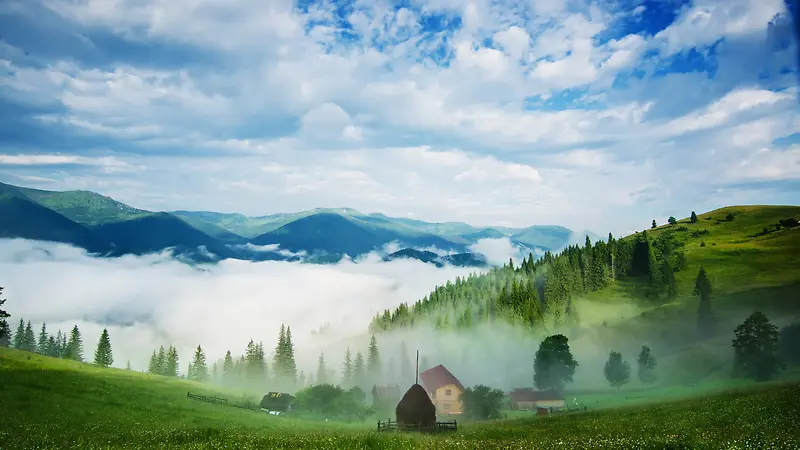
{"x":702,"y":243}
{"x":682,"y":228}
{"x":332,"y":402}
{"x":789,"y":223}
{"x":729,"y":217}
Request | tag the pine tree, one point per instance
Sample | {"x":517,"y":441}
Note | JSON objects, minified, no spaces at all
{"x":30,"y":338}
{"x":347,"y":370}
{"x":279,"y":359}
{"x":198,"y":370}
{"x":5,"y":329}
{"x":52,"y":347}
{"x":19,"y":336}
{"x":41,"y":347}
{"x":359,"y":371}
{"x":290,"y":365}
{"x":654,"y":224}
{"x":702,"y":289}
{"x":153,"y":366}
{"x":102,"y":355}
{"x":693,"y":218}
{"x":322,"y":370}
{"x":646,"y":363}
{"x":256,"y":367}
{"x":128,"y":366}
{"x":373,"y":361}
{"x":74,"y":350}
{"x":171,"y":364}
{"x":62,"y":345}
{"x":227,"y":368}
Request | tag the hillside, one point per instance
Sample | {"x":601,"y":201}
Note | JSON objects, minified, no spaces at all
{"x":640,"y":285}
{"x":52,"y":403}
{"x":22,"y":218}
{"x":456,"y":259}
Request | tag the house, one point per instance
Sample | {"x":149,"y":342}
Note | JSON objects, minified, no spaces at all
{"x":277,"y":402}
{"x":527,"y":398}
{"x":444,"y":390}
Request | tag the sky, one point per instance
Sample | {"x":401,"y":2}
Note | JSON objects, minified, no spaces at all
{"x":592,"y":114}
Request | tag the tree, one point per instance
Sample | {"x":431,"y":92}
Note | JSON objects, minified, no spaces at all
{"x":74,"y":348}
{"x":359,"y":371}
{"x":482,"y":402}
{"x":756,"y":348}
{"x":322,"y":369}
{"x":128,"y":366}
{"x":5,"y":329}
{"x":161,"y":361}
{"x":52,"y":346}
{"x":789,"y":343}
{"x":553,"y":365}
{"x":227,"y":368}
{"x":617,"y":370}
{"x":373,"y":361}
{"x":198,"y":370}
{"x":171,"y":364}
{"x":41,"y":347}
{"x":672,"y":220}
{"x":19,"y":336}
{"x":646,"y":363}
{"x":693,"y":218}
{"x":654,"y":224}
{"x":347,"y":370}
{"x":702,"y":289}
{"x":102,"y":355}
{"x":29,"y":342}
{"x":291,"y":365}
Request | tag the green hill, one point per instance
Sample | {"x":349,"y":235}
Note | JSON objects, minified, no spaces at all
{"x":617,"y":294}
{"x":22,"y":218}
{"x":51,"y":403}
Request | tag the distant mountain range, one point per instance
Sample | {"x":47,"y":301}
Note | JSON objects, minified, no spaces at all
{"x":106,"y":227}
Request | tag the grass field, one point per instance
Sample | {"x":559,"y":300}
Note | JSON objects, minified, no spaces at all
{"x":49,"y":403}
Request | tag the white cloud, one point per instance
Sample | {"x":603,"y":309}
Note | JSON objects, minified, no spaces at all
{"x":768,"y":165}
{"x":157,"y":301}
{"x":498,"y":251}
{"x":108,"y":164}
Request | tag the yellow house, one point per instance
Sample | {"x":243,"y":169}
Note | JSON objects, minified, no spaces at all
{"x":444,"y":389}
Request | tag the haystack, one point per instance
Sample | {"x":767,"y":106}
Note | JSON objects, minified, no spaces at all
{"x":416,"y":408}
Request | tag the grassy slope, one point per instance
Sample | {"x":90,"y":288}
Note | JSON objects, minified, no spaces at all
{"x":49,"y":403}
{"x":747,"y":273}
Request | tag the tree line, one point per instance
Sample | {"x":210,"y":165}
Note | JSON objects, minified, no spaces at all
{"x":539,"y":293}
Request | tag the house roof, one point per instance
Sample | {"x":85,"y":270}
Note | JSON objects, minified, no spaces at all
{"x":530,"y":395}
{"x":436,"y":377}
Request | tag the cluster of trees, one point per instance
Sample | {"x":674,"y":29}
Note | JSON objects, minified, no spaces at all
{"x":541,"y":291}
{"x":332,"y":402}
{"x":761,"y":352}
{"x":618,"y":371}
{"x":61,"y":345}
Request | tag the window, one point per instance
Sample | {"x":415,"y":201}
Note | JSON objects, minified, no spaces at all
{"x":447,"y":392}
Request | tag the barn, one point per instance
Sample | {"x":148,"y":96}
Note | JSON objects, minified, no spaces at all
{"x":277,"y":402}
{"x":528,"y":398}
{"x":444,"y":390}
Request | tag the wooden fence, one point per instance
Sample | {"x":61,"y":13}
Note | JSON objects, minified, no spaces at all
{"x":390,"y":425}
{"x":223,"y":401}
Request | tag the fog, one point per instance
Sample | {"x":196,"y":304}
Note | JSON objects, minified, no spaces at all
{"x":154,"y":300}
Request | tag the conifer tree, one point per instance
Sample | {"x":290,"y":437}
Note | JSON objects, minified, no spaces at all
{"x":171,"y":365}
{"x":41,"y":347}
{"x":301,"y":380}
{"x":290,"y":365}
{"x":161,"y":361}
{"x":373,"y":361}
{"x":153,"y":366}
{"x":279,"y":359}
{"x":74,"y":350}
{"x":5,"y":329}
{"x":62,"y":345}
{"x":322,"y":370}
{"x":653,"y":224}
{"x":128,"y":366}
{"x":52,"y":347}
{"x":30,"y":338}
{"x":228,"y":374}
{"x":19,"y":336}
{"x":702,"y":289}
{"x":359,"y":371}
{"x":102,"y":355}
{"x":198,"y":371}
{"x":347,"y":370}
{"x":693,"y":218}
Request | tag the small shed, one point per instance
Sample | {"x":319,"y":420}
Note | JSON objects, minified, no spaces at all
{"x":416,"y":408}
{"x":528,"y":398}
{"x":277,"y":401}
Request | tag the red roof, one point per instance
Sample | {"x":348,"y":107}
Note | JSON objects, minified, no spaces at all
{"x":529,"y":395}
{"x":436,"y":377}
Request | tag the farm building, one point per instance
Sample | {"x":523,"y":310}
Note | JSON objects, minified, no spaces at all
{"x":277,"y":402}
{"x":385,"y":396}
{"x":444,"y":389}
{"x":528,"y":398}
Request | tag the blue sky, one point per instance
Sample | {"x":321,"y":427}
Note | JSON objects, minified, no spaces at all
{"x":596,"y":115}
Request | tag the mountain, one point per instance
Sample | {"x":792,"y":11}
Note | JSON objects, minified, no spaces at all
{"x":638,"y":290}
{"x":319,"y":235}
{"x":22,"y":218}
{"x":158,"y":231}
{"x":457,"y":259}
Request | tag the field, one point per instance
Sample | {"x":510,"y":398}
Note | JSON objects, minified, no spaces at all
{"x":49,"y":403}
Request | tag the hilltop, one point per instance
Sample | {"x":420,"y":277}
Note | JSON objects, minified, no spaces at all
{"x":624,"y":292}
{"x":105,"y":226}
